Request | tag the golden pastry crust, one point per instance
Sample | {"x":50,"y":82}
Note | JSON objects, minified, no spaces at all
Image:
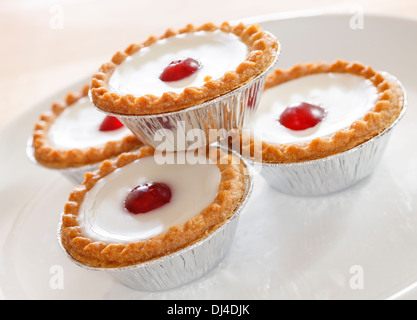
{"x":263,"y":50}
{"x":49,"y":156}
{"x":387,"y":108}
{"x":99,"y":254}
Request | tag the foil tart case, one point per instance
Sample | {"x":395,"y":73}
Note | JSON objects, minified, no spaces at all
{"x":333,"y":173}
{"x":183,"y":266}
{"x":227,"y":112}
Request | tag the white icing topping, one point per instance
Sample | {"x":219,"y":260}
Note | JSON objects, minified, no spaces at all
{"x":102,"y":215}
{"x":217,"y":52}
{"x":345,"y":97}
{"x":78,"y":127}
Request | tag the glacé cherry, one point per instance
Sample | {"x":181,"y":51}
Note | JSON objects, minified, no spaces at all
{"x":179,"y":69}
{"x":147,"y":197}
{"x":302,"y":116}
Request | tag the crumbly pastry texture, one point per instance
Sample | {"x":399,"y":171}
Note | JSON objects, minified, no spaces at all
{"x":99,"y":254}
{"x":387,"y":108}
{"x":263,"y":50}
{"x":49,"y":156}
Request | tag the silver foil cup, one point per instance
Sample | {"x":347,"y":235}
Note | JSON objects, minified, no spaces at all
{"x":74,"y":174}
{"x":183,"y":266}
{"x":333,"y":173}
{"x":190,"y":128}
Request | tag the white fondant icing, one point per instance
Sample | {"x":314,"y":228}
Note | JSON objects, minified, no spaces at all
{"x":217,"y":52}
{"x":102,"y":215}
{"x":78,"y":127}
{"x":345,"y":97}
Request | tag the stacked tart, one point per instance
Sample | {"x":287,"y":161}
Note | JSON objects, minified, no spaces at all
{"x":178,"y":83}
{"x":182,"y":69}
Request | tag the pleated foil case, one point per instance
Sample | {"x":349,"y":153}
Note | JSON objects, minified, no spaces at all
{"x":199,"y":125}
{"x":183,"y":266}
{"x":76,"y":174}
{"x":328,"y":175}
{"x":179,"y":268}
{"x":333,"y":173}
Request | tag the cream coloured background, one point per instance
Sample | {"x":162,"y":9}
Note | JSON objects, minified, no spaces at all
{"x":41,"y":53}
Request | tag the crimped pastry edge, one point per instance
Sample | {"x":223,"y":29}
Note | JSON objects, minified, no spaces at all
{"x":263,"y":49}
{"x":51,"y":157}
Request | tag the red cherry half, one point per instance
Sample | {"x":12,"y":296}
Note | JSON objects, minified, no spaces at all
{"x":147,"y":197}
{"x":110,"y":123}
{"x":179,"y":69}
{"x":302,"y":116}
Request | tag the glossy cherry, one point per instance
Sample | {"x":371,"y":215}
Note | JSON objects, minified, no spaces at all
{"x":179,"y":69}
{"x":147,"y":197}
{"x":110,"y":123}
{"x":302,"y":116}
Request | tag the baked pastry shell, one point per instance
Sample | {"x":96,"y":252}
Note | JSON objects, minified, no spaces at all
{"x":333,"y":173}
{"x":182,"y":266}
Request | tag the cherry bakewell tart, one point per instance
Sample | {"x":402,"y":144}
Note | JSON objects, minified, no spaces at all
{"x":211,"y":74}
{"x":135,"y":212}
{"x":314,"y":116}
{"x":74,"y":135}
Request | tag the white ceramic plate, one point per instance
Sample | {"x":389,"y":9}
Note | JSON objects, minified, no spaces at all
{"x":355,"y":244}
